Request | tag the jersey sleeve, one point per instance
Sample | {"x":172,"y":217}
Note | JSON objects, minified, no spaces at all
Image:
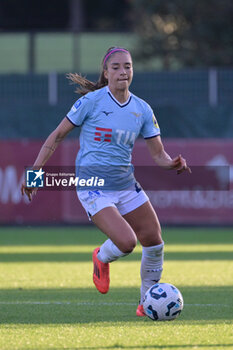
{"x":80,"y":111}
{"x":150,"y":127}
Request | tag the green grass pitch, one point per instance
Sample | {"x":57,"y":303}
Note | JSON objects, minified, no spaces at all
{"x":48,"y":300}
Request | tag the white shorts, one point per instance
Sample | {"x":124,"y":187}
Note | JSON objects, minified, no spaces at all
{"x":124,"y":200}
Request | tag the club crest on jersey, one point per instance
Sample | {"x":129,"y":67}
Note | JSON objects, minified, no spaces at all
{"x":137,"y":115}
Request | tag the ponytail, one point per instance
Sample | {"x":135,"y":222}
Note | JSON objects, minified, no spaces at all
{"x":86,"y":85}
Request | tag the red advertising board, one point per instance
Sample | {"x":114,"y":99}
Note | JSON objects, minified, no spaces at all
{"x":174,"y":205}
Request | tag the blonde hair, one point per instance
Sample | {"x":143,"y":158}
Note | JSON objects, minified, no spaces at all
{"x":86,"y":85}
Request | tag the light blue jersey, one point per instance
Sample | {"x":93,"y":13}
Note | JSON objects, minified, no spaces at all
{"x":108,"y":133}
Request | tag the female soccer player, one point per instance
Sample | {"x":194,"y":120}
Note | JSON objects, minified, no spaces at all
{"x":111,"y":118}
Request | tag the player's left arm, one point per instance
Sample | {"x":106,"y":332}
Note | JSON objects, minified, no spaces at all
{"x":163,"y":159}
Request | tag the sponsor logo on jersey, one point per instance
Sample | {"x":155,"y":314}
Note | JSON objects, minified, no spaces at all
{"x":122,"y":136}
{"x":125,"y":137}
{"x":106,"y":113}
{"x":155,"y":122}
{"x":76,"y":105}
{"x":103,"y":134}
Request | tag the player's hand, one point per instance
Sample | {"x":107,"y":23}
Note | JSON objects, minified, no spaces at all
{"x":179,"y":164}
{"x":29,"y":191}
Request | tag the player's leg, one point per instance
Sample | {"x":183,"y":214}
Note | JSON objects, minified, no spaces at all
{"x":121,"y":235}
{"x":100,"y":207}
{"x":145,"y":224}
{"x":121,"y":242}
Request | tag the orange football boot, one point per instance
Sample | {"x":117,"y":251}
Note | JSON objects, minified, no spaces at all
{"x":140,"y":311}
{"x":100,"y":273}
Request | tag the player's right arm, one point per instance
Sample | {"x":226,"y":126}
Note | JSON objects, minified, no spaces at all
{"x":47,"y":150}
{"x":52,"y":142}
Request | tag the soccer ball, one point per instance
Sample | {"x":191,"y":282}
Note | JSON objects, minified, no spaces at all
{"x":163,"y":302}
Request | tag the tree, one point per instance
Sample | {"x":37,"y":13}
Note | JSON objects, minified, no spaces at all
{"x":190,"y":32}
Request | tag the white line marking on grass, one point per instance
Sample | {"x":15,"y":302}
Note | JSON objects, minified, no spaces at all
{"x":88,"y":303}
{"x":59,"y":303}
{"x":207,"y":305}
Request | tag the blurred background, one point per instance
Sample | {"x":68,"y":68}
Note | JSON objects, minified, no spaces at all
{"x":183,"y":55}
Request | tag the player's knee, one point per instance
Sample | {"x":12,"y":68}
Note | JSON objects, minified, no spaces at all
{"x":128,"y":245}
{"x":150,"y":238}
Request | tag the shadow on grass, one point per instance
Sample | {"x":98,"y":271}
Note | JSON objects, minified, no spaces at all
{"x":90,"y":235}
{"x":86,"y":305}
{"x":86,"y":256}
